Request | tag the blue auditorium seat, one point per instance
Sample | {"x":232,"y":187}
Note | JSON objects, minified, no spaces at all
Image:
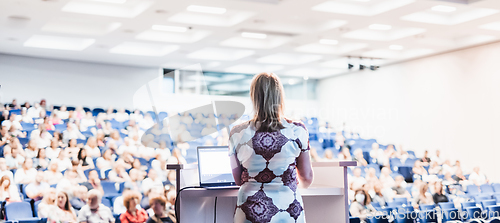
{"x":427,"y":216}
{"x":487,"y":203}
{"x":407,"y":217}
{"x":465,"y":205}
{"x":378,"y":219}
{"x":493,"y":211}
{"x":24,"y":141}
{"x":19,"y":210}
{"x":473,"y":213}
{"x":472,"y":190}
{"x":496,"y":187}
{"x":96,"y":111}
{"x":451,"y":214}
{"x":394,"y":204}
{"x":354,"y":220}
{"x":405,"y":209}
{"x":487,"y":189}
{"x":426,"y":207}
{"x":447,"y":205}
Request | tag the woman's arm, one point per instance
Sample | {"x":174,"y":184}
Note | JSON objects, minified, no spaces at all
{"x":237,"y":169}
{"x":304,"y":169}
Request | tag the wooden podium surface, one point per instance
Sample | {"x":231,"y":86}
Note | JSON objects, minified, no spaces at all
{"x":324,"y":201}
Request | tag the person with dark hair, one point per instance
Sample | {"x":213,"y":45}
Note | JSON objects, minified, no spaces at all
{"x":276,"y":158}
{"x":85,"y":161}
{"x":361,"y":206}
{"x":159,"y":206}
{"x":63,"y":212}
{"x":41,"y":161}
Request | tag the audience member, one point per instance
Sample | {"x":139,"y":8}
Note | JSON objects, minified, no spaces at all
{"x":477,"y":177}
{"x":159,"y":207}
{"x":439,"y":196}
{"x":36,"y":189}
{"x":133,"y":214}
{"x":79,"y":197}
{"x":4,"y":171}
{"x":94,"y":210}
{"x":48,"y":203}
{"x":26,"y":174}
{"x":41,"y":161}
{"x":8,"y":191}
{"x":63,"y":212}
{"x":361,"y":206}
{"x":423,"y":197}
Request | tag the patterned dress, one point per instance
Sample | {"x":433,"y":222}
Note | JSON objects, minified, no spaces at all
{"x":269,"y":190}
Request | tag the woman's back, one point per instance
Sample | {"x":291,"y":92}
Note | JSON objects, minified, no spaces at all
{"x":269,"y":177}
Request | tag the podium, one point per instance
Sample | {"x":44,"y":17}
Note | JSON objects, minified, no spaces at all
{"x":324,"y":201}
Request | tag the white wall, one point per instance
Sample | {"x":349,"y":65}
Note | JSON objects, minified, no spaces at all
{"x":449,"y":102}
{"x":67,"y":82}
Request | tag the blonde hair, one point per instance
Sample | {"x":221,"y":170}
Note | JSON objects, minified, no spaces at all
{"x":266,"y":92}
{"x":129,"y":195}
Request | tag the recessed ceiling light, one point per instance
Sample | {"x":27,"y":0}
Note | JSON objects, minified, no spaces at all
{"x":380,"y":27}
{"x":306,"y":78}
{"x":112,"y":1}
{"x":169,"y":28}
{"x":254,"y":35}
{"x":396,"y":47}
{"x":328,"y":41}
{"x":443,"y":8}
{"x":206,"y":9}
{"x":58,"y":42}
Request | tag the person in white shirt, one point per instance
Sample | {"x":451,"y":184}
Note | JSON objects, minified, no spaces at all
{"x":437,"y":158}
{"x":52,"y":152}
{"x":26,"y":174}
{"x":86,"y":122}
{"x":152,"y":181}
{"x":92,"y":148}
{"x":24,"y":117}
{"x":477,"y":177}
{"x":4,"y":171}
{"x":36,"y":189}
{"x":127,"y":147}
{"x":72,"y":132}
{"x":53,"y":175}
{"x":121,"y":115}
{"x":357,"y":180}
{"x":34,"y":111}
{"x":209,"y":129}
{"x":94,"y":211}
{"x":63,"y":113}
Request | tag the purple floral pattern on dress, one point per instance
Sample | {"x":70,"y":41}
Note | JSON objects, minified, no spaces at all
{"x":295,"y":209}
{"x":289,"y":177}
{"x":259,"y":208}
{"x":265,"y":176}
{"x":267,"y":144}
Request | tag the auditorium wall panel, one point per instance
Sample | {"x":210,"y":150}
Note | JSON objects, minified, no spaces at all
{"x":448,"y":102}
{"x":100,"y":85}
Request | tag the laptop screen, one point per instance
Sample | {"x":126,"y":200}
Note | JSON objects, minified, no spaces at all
{"x":214,"y":166}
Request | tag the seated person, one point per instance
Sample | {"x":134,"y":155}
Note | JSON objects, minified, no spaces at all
{"x":48,"y":203}
{"x":399,"y":188}
{"x":158,"y":205}
{"x":63,"y":212}
{"x":439,"y":196}
{"x":8,"y":190}
{"x":361,"y":206}
{"x":94,"y":211}
{"x":357,"y":180}
{"x":35,"y":190}
{"x":133,"y":214}
{"x":424,"y":197}
{"x":80,"y":197}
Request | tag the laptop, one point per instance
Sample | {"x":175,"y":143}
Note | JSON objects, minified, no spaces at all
{"x":214,"y":168}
